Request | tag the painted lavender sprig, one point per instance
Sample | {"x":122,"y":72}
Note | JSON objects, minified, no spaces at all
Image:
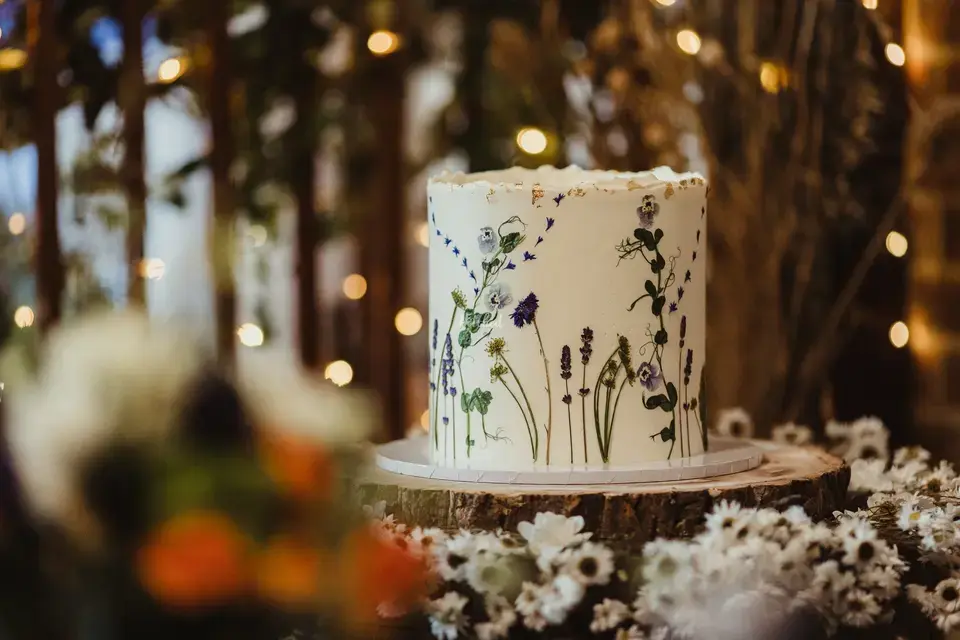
{"x":459,"y":302}
{"x":586,"y":350}
{"x":565,"y":373}
{"x":526,"y":314}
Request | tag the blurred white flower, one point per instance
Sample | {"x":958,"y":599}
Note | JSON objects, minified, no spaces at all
{"x":280,"y":117}
{"x":734,"y":423}
{"x":608,"y":615}
{"x":792,"y":434}
{"x":447,"y":618}
{"x":550,"y":533}
{"x":251,"y":19}
{"x":588,"y":564}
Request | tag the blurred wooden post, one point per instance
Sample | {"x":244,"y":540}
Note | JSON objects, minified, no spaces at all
{"x":307,"y":227}
{"x":133,"y":102}
{"x":223,"y":252}
{"x":49,"y":262}
{"x":381,"y":246}
{"x":932,"y":45}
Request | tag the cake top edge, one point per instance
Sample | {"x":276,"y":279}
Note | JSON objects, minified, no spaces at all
{"x":553,"y":178}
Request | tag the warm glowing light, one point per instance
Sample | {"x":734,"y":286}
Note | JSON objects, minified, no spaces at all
{"x":899,"y":334}
{"x":897,"y":244}
{"x":666,"y":3}
{"x":170,"y":69}
{"x":152,"y":268}
{"x":869,"y":4}
{"x":354,"y":286}
{"x":23,"y":317}
{"x":773,"y":77}
{"x":895,"y":54}
{"x":250,"y":335}
{"x":257,"y":234}
{"x":339,"y":372}
{"x":423,"y":234}
{"x":424,"y":418}
{"x":532,"y":141}
{"x":408,"y":321}
{"x":11,"y":58}
{"x":383,"y":43}
{"x":17,"y":223}
{"x":688,"y":41}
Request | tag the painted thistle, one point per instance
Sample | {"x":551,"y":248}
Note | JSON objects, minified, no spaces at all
{"x":647,"y":211}
{"x":488,"y":240}
{"x":587,"y":349}
{"x":649,"y":376}
{"x":565,"y":363}
{"x":526,"y":311}
{"x":623,"y":352}
{"x":496,"y":347}
{"x":497,"y":296}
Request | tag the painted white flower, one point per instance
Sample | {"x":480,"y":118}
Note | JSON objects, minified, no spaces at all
{"x":588,"y":564}
{"x":497,"y":296}
{"x":447,"y":618}
{"x":550,"y":533}
{"x":608,"y":615}
{"x":735,"y":423}
{"x":792,"y":434}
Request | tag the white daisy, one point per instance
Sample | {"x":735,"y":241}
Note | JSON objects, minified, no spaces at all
{"x":447,"y":619}
{"x":528,"y":602}
{"x":947,"y":594}
{"x":502,"y":618}
{"x":860,"y":609}
{"x":734,"y":423}
{"x":792,"y":434}
{"x":560,"y":597}
{"x":906,"y":455}
{"x":588,"y":564}
{"x":608,"y":615}
{"x":549,"y":533}
{"x":869,"y":476}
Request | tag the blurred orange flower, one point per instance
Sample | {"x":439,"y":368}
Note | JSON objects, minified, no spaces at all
{"x":288,"y":573}
{"x":304,"y":470}
{"x":376,"y":573}
{"x":195,"y":559}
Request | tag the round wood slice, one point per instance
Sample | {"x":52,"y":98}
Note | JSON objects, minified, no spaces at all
{"x":629,"y":514}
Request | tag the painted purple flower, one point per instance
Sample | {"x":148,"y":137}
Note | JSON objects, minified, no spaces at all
{"x":464,"y":263}
{"x":672,"y":306}
{"x":438,"y":232}
{"x":446,"y":365}
{"x":433,"y":217}
{"x":550,"y":222}
{"x":683,"y":330}
{"x":510,"y":266}
{"x":698,"y":235}
{"x":446,"y":420}
{"x":649,"y":376}
{"x":526,"y":311}
{"x":433,"y":386}
{"x":488,"y":240}
{"x":647,"y":211}
{"x":497,"y":296}
{"x":694,"y":256}
{"x":586,"y":337}
{"x":539,"y":240}
{"x":456,"y":251}
{"x":528,"y":256}
{"x":686,"y":278}
{"x":688,"y":368}
{"x":476,"y":291}
{"x":446,"y":241}
{"x":567,"y":398}
{"x":583,"y":392}
{"x":453,"y":391}
{"x":436,"y":326}
{"x":560,"y":196}
{"x":473,"y":276}
{"x":565,"y":363}
{"x":679,"y":293}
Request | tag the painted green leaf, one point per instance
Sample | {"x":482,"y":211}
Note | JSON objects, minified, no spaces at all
{"x":672,"y":394}
{"x":666,"y":434}
{"x":482,"y":400}
{"x":655,"y":401}
{"x":464,"y":338}
{"x":656,"y":307}
{"x":658,"y":235}
{"x":472,"y":320}
{"x":646,"y":238}
{"x":651,"y":288}
{"x":466,"y":402}
{"x":484,"y":318}
{"x":660,"y":262}
{"x":660,"y":337}
{"x":510,"y":241}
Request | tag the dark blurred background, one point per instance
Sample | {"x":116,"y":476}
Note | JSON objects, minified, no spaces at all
{"x":303,"y":133}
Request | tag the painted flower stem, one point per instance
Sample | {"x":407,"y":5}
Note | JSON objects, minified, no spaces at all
{"x":596,"y":407}
{"x":616,"y":403}
{"x":533,"y":449}
{"x":583,"y":415}
{"x":533,"y":420}
{"x":546,"y":373}
{"x":436,"y":390}
{"x":680,"y":416}
{"x":569,"y":420}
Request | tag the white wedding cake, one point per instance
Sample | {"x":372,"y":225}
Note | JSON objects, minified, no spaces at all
{"x":567,"y":317}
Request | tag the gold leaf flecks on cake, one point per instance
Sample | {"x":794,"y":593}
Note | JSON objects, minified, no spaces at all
{"x":697,"y":181}
{"x":537,"y":193}
{"x":633,"y":185}
{"x":490,"y":193}
{"x":576,"y":192}
{"x":668,"y":192}
{"x":683,"y":184}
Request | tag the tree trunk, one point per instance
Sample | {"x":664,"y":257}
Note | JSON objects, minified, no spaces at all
{"x":221,"y":156}
{"x":49,"y":262}
{"x":133,"y":102}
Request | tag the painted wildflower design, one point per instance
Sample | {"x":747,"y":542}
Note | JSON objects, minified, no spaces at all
{"x":586,"y":350}
{"x":566,"y":374}
{"x":487,"y":240}
{"x":525,"y":314}
{"x":497,"y":297}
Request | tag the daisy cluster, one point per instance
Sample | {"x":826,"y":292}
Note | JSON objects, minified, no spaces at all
{"x":760,"y":568}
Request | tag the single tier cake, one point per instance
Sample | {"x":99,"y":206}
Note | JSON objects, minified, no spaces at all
{"x":567,"y":317}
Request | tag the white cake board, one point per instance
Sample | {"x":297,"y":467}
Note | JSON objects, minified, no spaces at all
{"x":410,"y":457}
